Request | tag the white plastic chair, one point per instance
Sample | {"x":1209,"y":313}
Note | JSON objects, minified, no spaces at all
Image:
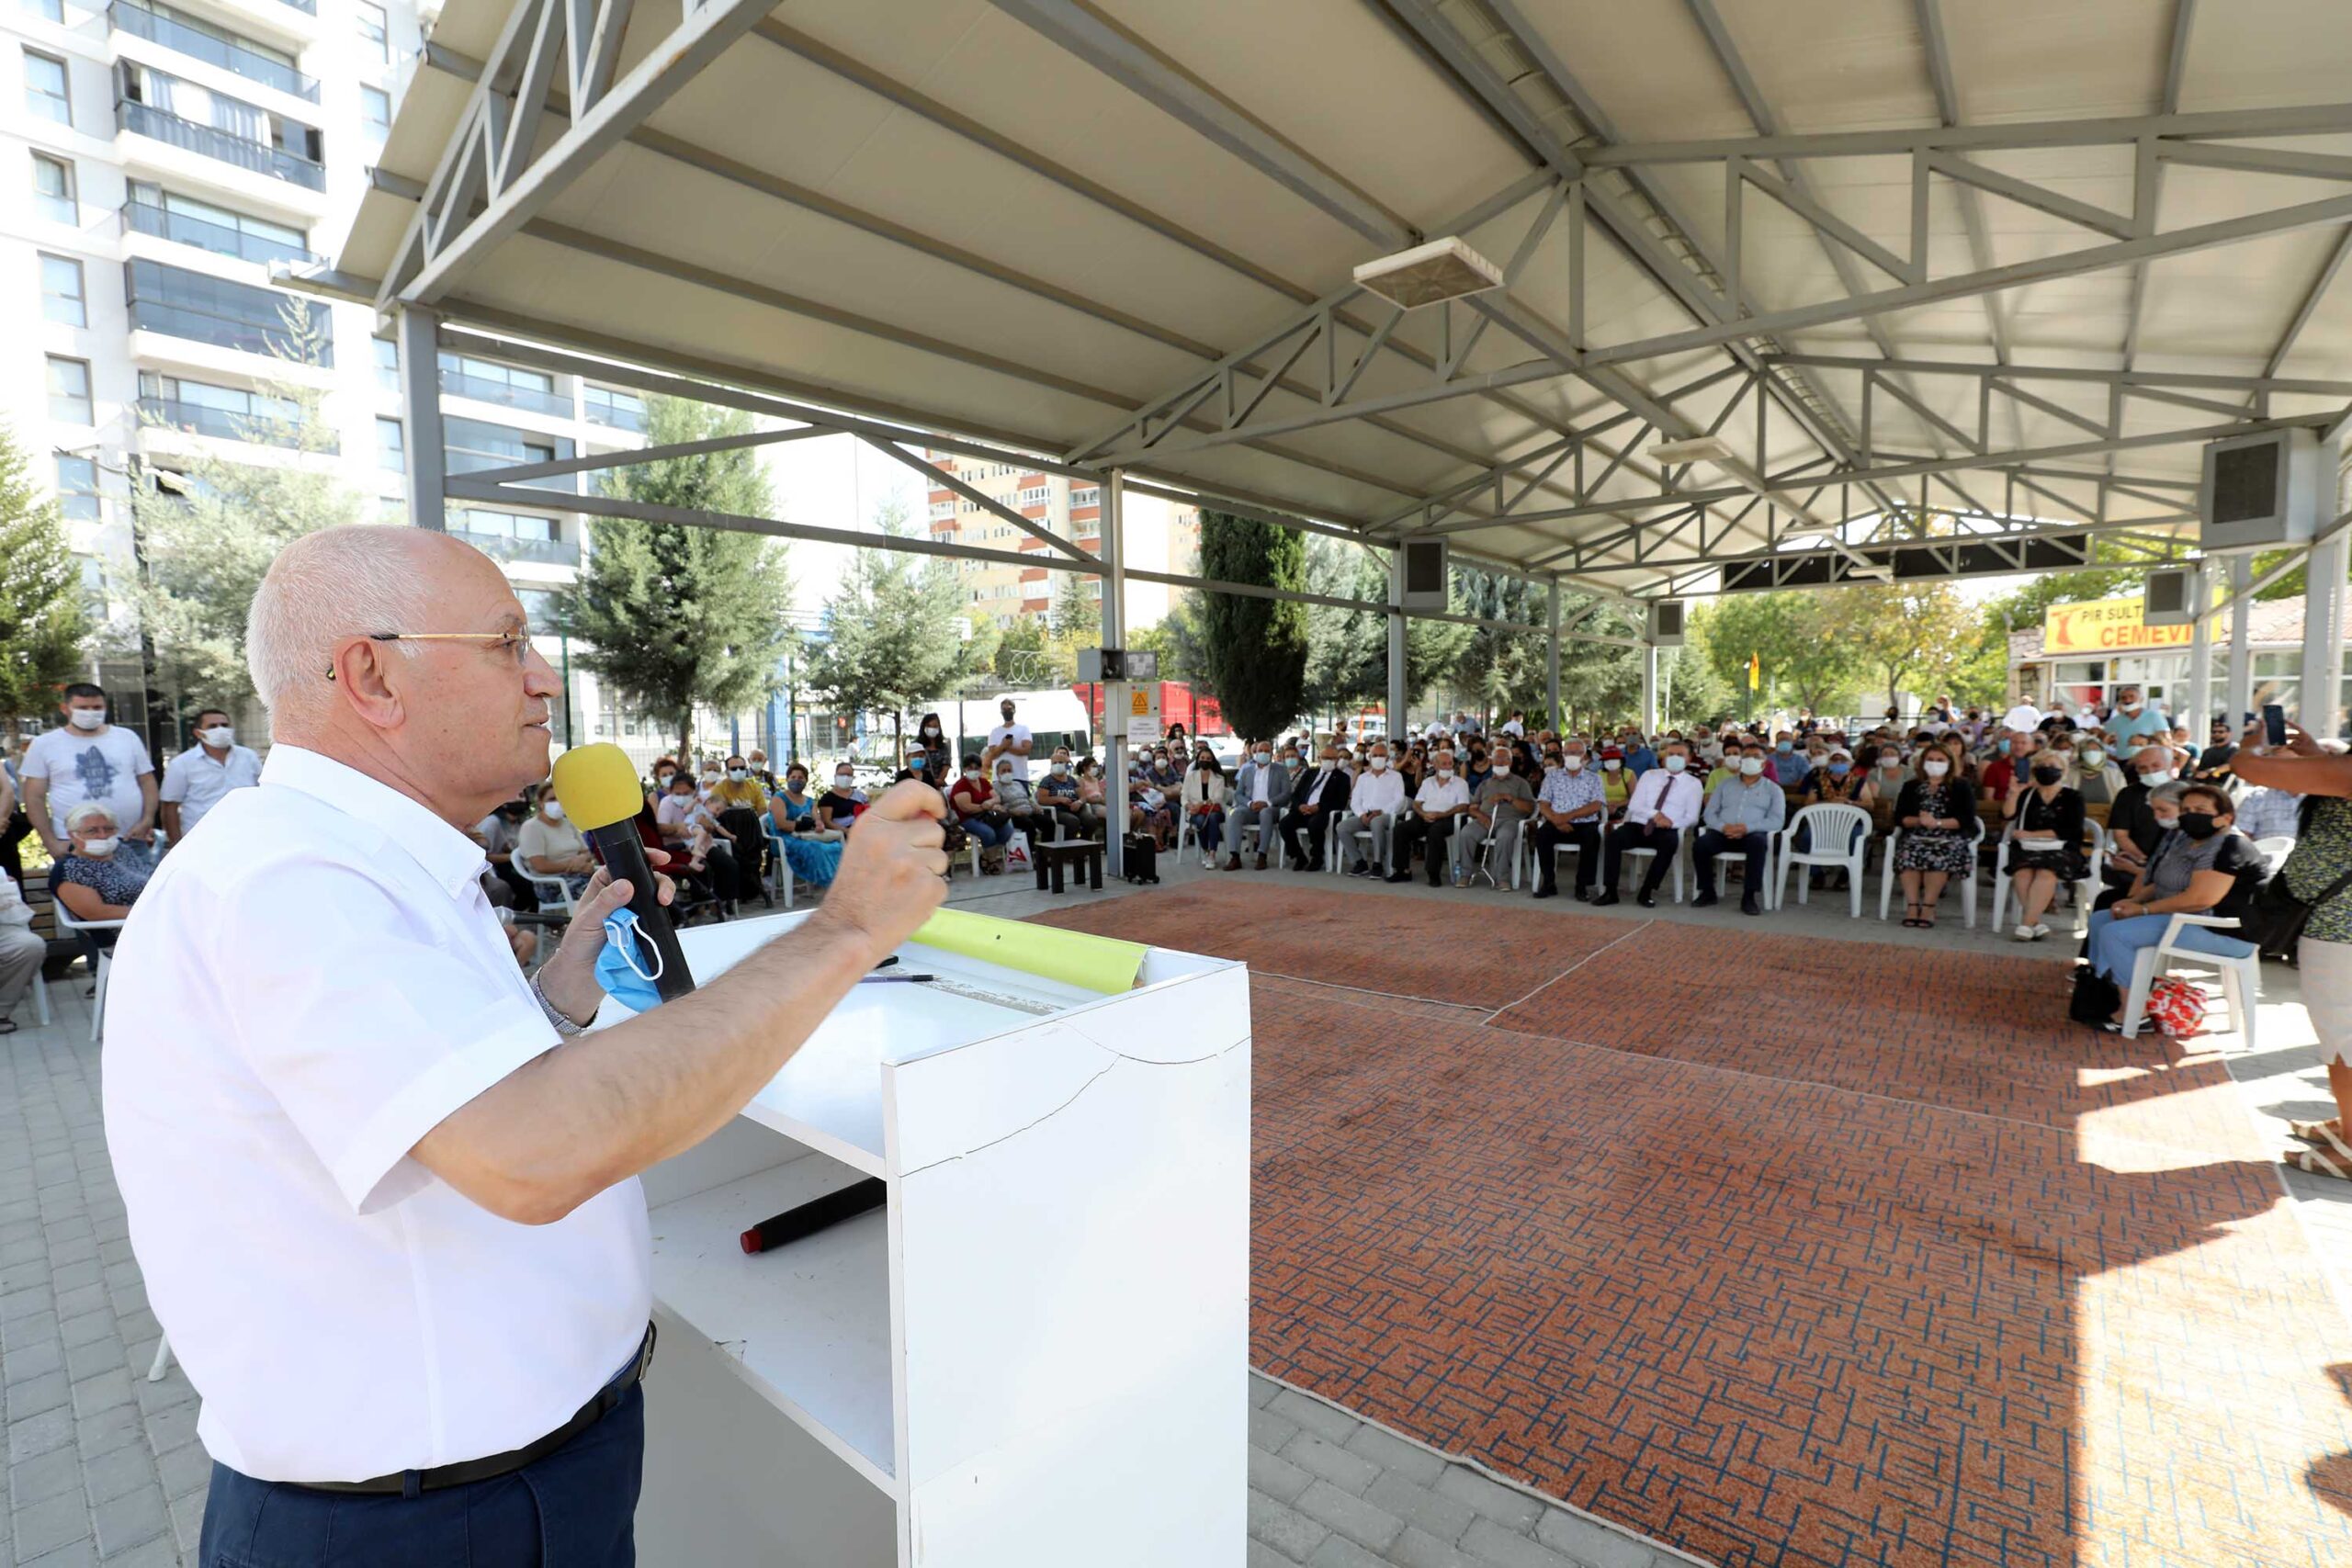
{"x":554,"y":893}
{"x":40,"y":998}
{"x":1829,"y":822}
{"x":1359,"y":836}
{"x":780,"y":875}
{"x":2093,"y":836}
{"x":1889,"y":878}
{"x":66,"y":921}
{"x":1258,"y":828}
{"x":2275,"y":850}
{"x":2241,"y":976}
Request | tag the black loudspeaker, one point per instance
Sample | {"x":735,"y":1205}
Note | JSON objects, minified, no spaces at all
{"x":1425,"y":575}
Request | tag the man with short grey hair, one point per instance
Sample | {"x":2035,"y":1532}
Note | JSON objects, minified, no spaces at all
{"x":1372,"y":804}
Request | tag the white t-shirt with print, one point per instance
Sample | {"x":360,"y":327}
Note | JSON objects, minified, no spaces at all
{"x":104,"y":767}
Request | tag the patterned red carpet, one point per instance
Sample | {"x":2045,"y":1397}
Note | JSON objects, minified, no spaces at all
{"x":1787,"y":1251}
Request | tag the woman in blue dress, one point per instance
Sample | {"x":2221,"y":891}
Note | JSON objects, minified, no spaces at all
{"x":814,"y":853}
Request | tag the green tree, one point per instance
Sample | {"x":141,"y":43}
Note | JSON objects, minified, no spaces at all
{"x":42,"y":622}
{"x":206,"y":528}
{"x":894,"y":633}
{"x":1906,"y":636}
{"x":1256,"y":648}
{"x":1018,"y":655}
{"x":1789,"y":633}
{"x":1078,"y":613}
{"x":670,"y":616}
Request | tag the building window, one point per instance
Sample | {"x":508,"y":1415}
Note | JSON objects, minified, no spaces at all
{"x":46,"y":92}
{"x":69,"y":390}
{"x":486,"y":381}
{"x":372,"y":29}
{"x":47,"y":10}
{"x":388,"y":364}
{"x":211,"y":309}
{"x":376,"y":111}
{"x":168,"y":215}
{"x":391,"y":451}
{"x":77,"y":488}
{"x":225,"y":413}
{"x":54,"y":189}
{"x":60,"y":291}
{"x":610,"y":406}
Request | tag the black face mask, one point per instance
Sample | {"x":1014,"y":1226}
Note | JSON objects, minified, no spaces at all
{"x":2198,"y":825}
{"x":2048,"y":772}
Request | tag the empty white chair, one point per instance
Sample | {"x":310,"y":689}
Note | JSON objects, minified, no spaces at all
{"x":2241,"y":975}
{"x":1840,"y":836}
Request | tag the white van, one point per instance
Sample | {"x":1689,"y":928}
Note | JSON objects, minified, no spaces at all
{"x":1056,"y":716}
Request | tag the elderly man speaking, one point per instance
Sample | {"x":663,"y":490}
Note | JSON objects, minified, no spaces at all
{"x":385,"y":1201}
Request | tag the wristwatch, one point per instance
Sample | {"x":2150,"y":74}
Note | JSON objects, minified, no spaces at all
{"x":563,"y":1024}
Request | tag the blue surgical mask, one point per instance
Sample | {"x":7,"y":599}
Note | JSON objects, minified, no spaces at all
{"x":1784,"y":747}
{"x":628,"y":967}
{"x":2005,"y":748}
{"x":1839,"y":770}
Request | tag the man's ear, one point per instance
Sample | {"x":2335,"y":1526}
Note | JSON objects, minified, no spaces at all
{"x":360,"y":674}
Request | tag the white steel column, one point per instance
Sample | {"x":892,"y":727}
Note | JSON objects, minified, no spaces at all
{"x":1114,"y":625}
{"x":2195,"y":713}
{"x":2240,"y":686}
{"x":1551,"y":666}
{"x":1649,"y":690}
{"x":2322,"y":671}
{"x":1395,"y":646}
{"x":417,"y":333}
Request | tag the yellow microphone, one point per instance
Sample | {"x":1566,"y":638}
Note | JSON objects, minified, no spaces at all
{"x":598,"y":787}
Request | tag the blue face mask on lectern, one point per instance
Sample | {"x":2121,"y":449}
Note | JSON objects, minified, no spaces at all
{"x":627,"y":968}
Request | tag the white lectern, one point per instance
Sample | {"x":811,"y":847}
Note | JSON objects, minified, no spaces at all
{"x":1037,"y":1355}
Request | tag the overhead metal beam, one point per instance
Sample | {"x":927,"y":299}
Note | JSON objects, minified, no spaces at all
{"x":2302,"y":120}
{"x":2136,"y":378}
{"x":2312,"y":297}
{"x":1972,"y":205}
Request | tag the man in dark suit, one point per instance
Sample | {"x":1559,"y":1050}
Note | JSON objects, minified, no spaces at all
{"x":1318,"y":797}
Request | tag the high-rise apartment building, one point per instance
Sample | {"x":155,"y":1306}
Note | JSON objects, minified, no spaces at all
{"x":156,"y":160}
{"x":1158,"y":536}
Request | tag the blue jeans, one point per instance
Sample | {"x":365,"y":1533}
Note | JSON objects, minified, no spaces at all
{"x":987,"y":835}
{"x":2114,"y":944}
{"x":575,"y":1508}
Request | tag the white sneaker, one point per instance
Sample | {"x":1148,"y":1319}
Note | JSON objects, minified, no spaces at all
{"x":1208,"y":862}
{"x":2040,"y":932}
{"x":2025,"y":933}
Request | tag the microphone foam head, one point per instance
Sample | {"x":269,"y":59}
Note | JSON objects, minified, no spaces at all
{"x":598,"y":786}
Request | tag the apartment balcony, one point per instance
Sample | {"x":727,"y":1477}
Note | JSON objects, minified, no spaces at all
{"x":140,"y":22}
{"x":458,"y":384}
{"x":464,"y":462}
{"x":220,"y":424}
{"x":254,"y":157}
{"x":244,"y":318}
{"x":146,"y":218}
{"x":506,"y":548}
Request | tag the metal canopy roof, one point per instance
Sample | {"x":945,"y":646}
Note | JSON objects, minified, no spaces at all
{"x":2004,"y":264}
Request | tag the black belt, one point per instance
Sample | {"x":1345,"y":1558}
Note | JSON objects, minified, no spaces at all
{"x":411,"y":1481}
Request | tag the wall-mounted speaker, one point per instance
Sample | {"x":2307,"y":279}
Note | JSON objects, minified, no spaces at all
{"x":1424,"y":576}
{"x":1665,"y":623}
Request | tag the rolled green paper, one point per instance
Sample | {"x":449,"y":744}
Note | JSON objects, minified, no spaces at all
{"x":1074,"y":958}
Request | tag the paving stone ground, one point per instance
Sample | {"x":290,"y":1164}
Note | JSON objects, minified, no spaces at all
{"x":103,"y":1466}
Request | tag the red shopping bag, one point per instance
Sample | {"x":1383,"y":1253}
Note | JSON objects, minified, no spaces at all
{"x":2176,"y":1007}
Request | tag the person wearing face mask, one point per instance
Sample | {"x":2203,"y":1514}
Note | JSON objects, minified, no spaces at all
{"x":1437,"y":807}
{"x":664,"y":768}
{"x":548,"y":845}
{"x":90,"y":759}
{"x":838,"y":807}
{"x":1011,"y":741}
{"x":690,"y":831}
{"x":2096,"y":776}
{"x":94,"y":878}
{"x":1787,"y":766}
{"x":934,"y":739}
{"x":1373,"y":806}
{"x":1666,"y":801}
{"x":1572,"y":809}
{"x":1500,"y":808}
{"x":1837,"y":782}
{"x":2134,"y":719}
{"x":1936,"y":814}
{"x":1315,"y":800}
{"x":759,"y":761}
{"x":1616,"y":783}
{"x":1019,"y":806}
{"x":976,"y":811}
{"x":1261,"y":795}
{"x":1204,"y":805}
{"x":2131,"y":828}
{"x":1740,"y":817}
{"x":2045,"y":817}
{"x":200,"y":777}
{"x":1057,"y":793}
{"x":2201,"y":867}
{"x":811,"y":854}
{"x":738,"y":800}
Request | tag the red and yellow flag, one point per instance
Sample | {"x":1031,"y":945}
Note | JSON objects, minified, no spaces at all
{"x":1755,"y":674}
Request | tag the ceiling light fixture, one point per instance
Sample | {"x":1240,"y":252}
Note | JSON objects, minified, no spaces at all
{"x":1442,"y":269}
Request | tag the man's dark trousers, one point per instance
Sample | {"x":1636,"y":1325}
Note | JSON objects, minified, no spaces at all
{"x":1757,"y":847}
{"x":1583,"y":833}
{"x":576,"y":1508}
{"x":1642,"y":836}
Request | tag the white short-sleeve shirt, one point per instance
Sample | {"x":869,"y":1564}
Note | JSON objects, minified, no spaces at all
{"x":1015,"y":732}
{"x":197,"y":781}
{"x":304,"y":990}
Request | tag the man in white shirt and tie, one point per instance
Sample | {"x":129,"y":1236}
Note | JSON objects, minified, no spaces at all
{"x":1665,"y":801}
{"x":200,"y":777}
{"x":1373,"y":806}
{"x":381,"y":1188}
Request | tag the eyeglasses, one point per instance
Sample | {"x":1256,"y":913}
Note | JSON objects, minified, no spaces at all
{"x":518,"y":643}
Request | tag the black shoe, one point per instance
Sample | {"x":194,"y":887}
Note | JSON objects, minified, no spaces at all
{"x":1608,"y":897}
{"x":1748,"y":906}
{"x":1401,"y":876}
{"x":1646,"y":898}
{"x":1547,"y":893}
{"x":1706,"y":899}
{"x":1584,"y":895}
{"x":1315,"y":865}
